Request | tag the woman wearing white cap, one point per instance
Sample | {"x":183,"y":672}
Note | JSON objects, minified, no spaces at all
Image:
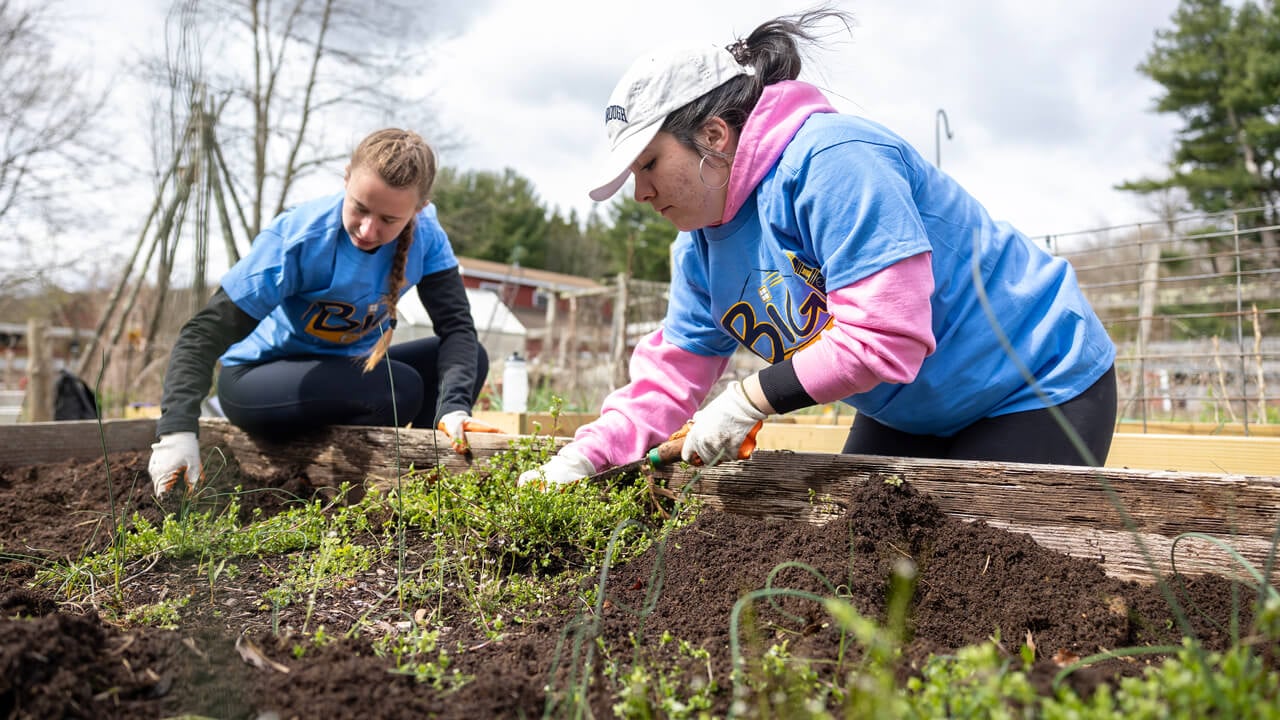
{"x":829,"y":247}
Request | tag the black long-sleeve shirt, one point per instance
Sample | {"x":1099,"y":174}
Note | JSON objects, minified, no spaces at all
{"x":221,"y":324}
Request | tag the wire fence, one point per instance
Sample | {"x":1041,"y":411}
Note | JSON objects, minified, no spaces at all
{"x":1191,"y":303}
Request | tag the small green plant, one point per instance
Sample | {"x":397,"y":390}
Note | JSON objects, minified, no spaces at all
{"x":335,"y":559}
{"x":319,"y":638}
{"x":164,"y":614}
{"x":784,"y":686}
{"x":647,"y":689}
{"x":416,"y":653}
{"x":975,"y":682}
{"x":645,"y":693}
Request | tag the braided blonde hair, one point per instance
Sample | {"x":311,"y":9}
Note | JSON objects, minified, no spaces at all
{"x":402,"y":159}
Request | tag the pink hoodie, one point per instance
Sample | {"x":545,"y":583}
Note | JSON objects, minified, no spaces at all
{"x":858,"y":350}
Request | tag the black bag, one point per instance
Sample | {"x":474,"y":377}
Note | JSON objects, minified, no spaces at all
{"x":73,"y":399}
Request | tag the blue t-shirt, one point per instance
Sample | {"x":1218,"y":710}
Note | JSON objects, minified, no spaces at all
{"x":847,"y":199}
{"x":316,"y":293}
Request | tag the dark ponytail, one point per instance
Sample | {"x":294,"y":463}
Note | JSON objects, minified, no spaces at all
{"x":773,"y":50}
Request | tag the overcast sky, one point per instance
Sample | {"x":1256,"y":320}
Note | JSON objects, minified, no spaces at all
{"x":1043,"y":96}
{"x":1047,"y":108}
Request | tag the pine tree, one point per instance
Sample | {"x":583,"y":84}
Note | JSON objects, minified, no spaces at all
{"x":1219,"y":68}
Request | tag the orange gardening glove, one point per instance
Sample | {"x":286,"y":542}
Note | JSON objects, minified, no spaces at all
{"x":457,"y":424}
{"x":724,"y":430}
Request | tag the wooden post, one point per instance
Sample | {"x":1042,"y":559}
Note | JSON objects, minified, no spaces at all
{"x":39,"y":374}
{"x":548,"y":337}
{"x":570,"y":336}
{"x":619,"y":354}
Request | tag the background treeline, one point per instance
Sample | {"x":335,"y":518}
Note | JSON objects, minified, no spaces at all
{"x":498,"y":216}
{"x":248,"y":107}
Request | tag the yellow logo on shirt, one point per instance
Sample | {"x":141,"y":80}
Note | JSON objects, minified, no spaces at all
{"x":337,"y":322}
{"x":775,"y":330}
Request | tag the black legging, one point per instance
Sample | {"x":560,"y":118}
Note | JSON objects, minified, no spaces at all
{"x":282,"y":397}
{"x":1033,"y":436}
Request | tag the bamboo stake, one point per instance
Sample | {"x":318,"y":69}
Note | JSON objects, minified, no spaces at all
{"x":1148,"y":290}
{"x":166,"y":227}
{"x":1262,"y":376}
{"x":231,"y":189}
{"x":169,"y":249}
{"x":1222,"y":379}
{"x":109,"y":309}
{"x":224,"y":218}
{"x":200,"y":231}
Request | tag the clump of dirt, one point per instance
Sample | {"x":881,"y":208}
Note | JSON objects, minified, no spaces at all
{"x":970,"y":583}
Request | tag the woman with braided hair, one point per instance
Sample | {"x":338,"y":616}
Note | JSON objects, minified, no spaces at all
{"x":303,"y":324}
{"x":825,"y":244}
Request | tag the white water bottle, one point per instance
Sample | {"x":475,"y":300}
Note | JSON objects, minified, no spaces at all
{"x":515,"y":385}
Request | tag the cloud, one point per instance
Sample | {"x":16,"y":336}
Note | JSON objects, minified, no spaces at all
{"x":1048,"y":110}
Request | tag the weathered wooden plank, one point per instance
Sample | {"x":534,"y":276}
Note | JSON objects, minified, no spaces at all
{"x":1132,"y":555}
{"x":1106,"y":514}
{"x":1086,"y":512}
{"x":52,"y":442}
{"x":46,"y":442}
{"x":354,"y":454}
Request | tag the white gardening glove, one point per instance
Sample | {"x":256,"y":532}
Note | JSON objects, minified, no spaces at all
{"x":564,"y":468}
{"x":177,"y":454}
{"x":457,"y":424}
{"x":724,"y":430}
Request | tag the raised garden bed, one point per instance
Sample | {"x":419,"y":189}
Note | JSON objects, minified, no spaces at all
{"x":359,"y":604}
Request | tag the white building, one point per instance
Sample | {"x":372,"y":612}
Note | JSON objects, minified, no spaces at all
{"x":500,"y":332}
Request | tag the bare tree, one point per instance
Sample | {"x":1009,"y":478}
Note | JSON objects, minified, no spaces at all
{"x":246,"y":93}
{"x":47,"y":109}
{"x":295,"y":80}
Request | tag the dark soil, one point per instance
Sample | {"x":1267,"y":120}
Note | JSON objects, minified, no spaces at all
{"x":85,"y":660}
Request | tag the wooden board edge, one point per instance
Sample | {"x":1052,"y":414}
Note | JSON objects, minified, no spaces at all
{"x":51,"y":442}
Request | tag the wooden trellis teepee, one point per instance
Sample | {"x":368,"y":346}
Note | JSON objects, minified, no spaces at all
{"x":195,"y":183}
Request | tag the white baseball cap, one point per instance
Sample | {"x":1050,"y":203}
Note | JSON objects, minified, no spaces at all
{"x":652,"y":88}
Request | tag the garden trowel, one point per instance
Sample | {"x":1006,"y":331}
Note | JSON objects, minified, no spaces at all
{"x":665,"y":454}
{"x":669,"y":452}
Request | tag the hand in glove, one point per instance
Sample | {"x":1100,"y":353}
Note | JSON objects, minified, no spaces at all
{"x":177,"y":454}
{"x":564,"y":468}
{"x":724,"y":430}
{"x":457,"y":424}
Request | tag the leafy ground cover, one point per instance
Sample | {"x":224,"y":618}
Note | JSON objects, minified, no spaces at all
{"x":465,"y":597}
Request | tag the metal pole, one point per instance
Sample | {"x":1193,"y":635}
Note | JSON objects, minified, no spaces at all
{"x":940,"y":120}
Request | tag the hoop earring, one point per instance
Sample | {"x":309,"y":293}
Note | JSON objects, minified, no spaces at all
{"x":706,"y":184}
